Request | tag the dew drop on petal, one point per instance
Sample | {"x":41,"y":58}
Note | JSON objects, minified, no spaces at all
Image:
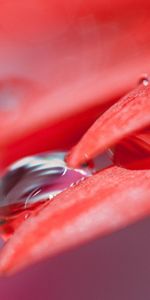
{"x":144,"y":79}
{"x":31,"y":183}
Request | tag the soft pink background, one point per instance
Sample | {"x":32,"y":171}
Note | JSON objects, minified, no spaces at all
{"x":116,"y":267}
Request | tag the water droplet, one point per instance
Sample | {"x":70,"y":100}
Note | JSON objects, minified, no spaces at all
{"x":144,"y":79}
{"x":31,"y":183}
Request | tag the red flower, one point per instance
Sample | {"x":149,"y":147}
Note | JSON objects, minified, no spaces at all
{"x":92,"y":69}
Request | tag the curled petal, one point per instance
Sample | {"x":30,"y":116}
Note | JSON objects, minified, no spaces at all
{"x":125,"y":117}
{"x":133,"y":152}
{"x":99,"y":205}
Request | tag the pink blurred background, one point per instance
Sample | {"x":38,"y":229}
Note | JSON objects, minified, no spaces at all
{"x":113,"y":268}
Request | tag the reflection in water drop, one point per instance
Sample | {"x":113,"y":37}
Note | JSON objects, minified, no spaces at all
{"x":31,"y":183}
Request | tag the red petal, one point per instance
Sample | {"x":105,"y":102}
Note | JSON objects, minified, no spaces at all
{"x":97,"y":206}
{"x":128,"y":115}
{"x":50,"y":137}
{"x":133,"y":152}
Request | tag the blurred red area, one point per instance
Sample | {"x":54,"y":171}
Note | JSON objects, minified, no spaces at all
{"x":63,"y":58}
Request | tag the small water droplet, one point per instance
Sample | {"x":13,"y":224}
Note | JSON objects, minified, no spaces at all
{"x":144,"y":79}
{"x":31,"y":183}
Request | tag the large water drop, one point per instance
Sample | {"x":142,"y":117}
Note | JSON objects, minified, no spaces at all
{"x":31,"y":183}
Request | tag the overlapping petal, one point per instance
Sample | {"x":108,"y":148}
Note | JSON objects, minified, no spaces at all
{"x":133,"y":152}
{"x":97,"y":206}
{"x":74,"y":55}
{"x":80,"y":55}
{"x":129,"y":115}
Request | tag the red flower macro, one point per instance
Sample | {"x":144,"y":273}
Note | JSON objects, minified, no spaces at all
{"x":72,"y":79}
